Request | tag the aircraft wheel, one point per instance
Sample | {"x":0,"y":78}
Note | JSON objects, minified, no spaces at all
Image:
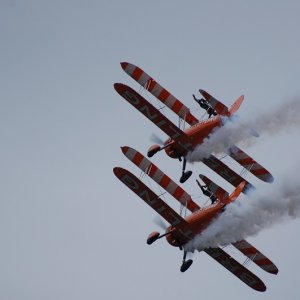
{"x":185,"y":265}
{"x":185,"y":176}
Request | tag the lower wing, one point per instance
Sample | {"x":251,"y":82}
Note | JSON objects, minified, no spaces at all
{"x":183,"y":231}
{"x":224,"y":171}
{"x":250,"y":164}
{"x":155,"y":116}
{"x":236,"y":268}
{"x":257,"y":257}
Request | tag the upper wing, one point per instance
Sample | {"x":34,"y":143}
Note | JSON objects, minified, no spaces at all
{"x":236,"y":268}
{"x":218,"y":106}
{"x":224,"y":171}
{"x":162,"y":179}
{"x":159,"y":92}
{"x":257,"y":257}
{"x":155,"y":116}
{"x":183,"y":231}
{"x":250,"y":164}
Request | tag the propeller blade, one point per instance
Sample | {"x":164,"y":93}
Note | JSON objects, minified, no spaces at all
{"x":160,"y":222}
{"x":156,"y":139}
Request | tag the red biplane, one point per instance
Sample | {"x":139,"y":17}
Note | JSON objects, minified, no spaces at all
{"x":181,"y":142}
{"x":182,"y":230}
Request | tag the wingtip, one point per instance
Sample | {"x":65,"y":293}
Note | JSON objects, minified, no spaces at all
{"x":275,"y":271}
{"x":124,"y":149}
{"x":119,"y":87}
{"x":270,"y":179}
{"x":267,"y":178}
{"x":124,"y":64}
{"x":116,"y":170}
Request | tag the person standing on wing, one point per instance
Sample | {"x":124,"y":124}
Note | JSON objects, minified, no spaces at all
{"x":205,"y":105}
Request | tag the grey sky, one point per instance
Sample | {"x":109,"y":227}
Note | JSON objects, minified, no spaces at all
{"x":68,"y":228}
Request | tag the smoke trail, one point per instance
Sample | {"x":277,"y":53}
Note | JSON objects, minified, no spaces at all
{"x":287,"y":115}
{"x":248,"y":216}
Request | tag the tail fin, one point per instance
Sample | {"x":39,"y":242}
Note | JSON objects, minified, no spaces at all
{"x":236,"y":105}
{"x":235,"y":193}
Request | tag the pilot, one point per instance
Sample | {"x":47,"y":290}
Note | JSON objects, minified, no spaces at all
{"x":204,"y":104}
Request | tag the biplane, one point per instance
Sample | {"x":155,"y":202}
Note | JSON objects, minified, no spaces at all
{"x":184,"y":229}
{"x":181,"y":142}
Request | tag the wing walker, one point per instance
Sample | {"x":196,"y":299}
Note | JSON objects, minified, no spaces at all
{"x":182,"y":229}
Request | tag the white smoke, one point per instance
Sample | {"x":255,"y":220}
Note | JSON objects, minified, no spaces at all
{"x":235,"y":131}
{"x":249,"y":215}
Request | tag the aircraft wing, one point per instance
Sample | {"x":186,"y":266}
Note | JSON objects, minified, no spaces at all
{"x":257,"y":257}
{"x":159,"y":92}
{"x":161,"y":178}
{"x":236,"y":268}
{"x":224,"y":171}
{"x":250,"y":164}
{"x":155,"y":116}
{"x":183,"y":231}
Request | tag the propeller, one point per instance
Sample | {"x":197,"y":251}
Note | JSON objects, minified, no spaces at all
{"x":156,"y":139}
{"x":160,"y":222}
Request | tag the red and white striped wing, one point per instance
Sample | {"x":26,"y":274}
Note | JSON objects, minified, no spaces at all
{"x":236,"y":268}
{"x":256,"y":256}
{"x":159,"y":92}
{"x":224,"y":171}
{"x":218,"y":106}
{"x":184,"y":232}
{"x":158,"y":176}
{"x":183,"y":143}
{"x":250,"y":164}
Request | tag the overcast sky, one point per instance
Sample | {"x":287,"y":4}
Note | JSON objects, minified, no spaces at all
{"x":68,"y":228}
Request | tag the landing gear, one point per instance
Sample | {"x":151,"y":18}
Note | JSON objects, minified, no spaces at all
{"x":185,"y":174}
{"x":185,"y":263}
